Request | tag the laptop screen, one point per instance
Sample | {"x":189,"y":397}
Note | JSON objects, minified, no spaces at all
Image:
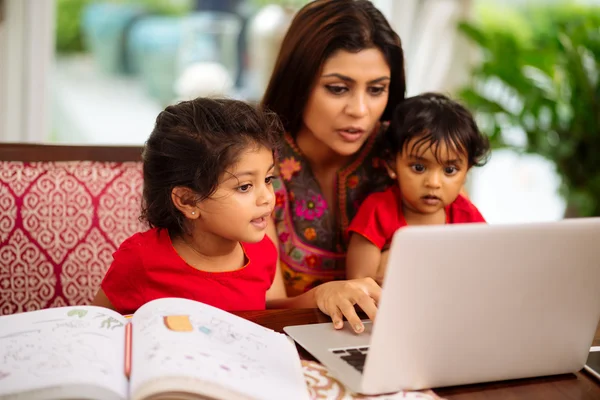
{"x":593,"y":363}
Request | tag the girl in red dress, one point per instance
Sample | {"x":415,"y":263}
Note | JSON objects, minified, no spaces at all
{"x":208,"y":196}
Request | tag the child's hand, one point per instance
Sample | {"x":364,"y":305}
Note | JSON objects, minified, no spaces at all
{"x":337,"y":299}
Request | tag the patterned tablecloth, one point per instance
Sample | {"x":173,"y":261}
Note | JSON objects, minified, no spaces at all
{"x":321,"y":385}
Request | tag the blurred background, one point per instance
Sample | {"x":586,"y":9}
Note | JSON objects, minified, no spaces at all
{"x":99,"y":71}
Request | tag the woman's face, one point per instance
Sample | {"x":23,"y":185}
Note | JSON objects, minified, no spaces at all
{"x":347,"y":100}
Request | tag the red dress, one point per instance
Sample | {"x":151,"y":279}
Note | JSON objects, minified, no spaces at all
{"x":380,"y":215}
{"x":147,"y":267}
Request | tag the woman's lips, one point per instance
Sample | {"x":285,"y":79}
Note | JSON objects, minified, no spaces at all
{"x":351,"y":135}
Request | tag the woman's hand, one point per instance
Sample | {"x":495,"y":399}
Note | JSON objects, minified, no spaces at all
{"x":337,"y":299}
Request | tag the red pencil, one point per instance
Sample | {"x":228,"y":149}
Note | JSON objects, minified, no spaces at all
{"x":128,"y":337}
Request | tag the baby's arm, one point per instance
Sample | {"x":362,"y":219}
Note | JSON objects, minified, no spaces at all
{"x":363,"y":258}
{"x":382,"y":266}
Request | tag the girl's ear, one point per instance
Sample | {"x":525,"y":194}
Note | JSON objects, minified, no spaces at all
{"x":390,"y":167}
{"x":185,"y":200}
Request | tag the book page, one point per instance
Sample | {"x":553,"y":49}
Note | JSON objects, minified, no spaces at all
{"x":187,"y":339}
{"x":58,"y":347}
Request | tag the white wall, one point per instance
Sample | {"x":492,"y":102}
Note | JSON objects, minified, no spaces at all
{"x":26,"y":56}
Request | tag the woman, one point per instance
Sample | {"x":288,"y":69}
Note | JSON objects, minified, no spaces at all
{"x":339,"y":74}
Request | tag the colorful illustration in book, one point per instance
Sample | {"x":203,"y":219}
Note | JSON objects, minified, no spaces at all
{"x":109,"y":322}
{"x":219,"y":331}
{"x":214,"y":345}
{"x":59,"y":346}
{"x":178,"y":323}
{"x":77,"y":313}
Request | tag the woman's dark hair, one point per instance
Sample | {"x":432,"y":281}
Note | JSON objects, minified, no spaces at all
{"x":432,"y":118}
{"x":192,"y":144}
{"x":317,"y":31}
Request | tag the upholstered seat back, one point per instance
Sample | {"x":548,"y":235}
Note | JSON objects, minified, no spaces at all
{"x":61,"y":220}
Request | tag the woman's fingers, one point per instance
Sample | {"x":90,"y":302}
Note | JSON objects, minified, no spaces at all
{"x":372,"y":289}
{"x":336,"y":317}
{"x":349,"y":312}
{"x":337,"y":299}
{"x":368,"y":305}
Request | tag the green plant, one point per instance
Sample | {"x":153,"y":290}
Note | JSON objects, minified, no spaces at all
{"x":162,"y":7}
{"x":69,"y":13}
{"x":68,"y":25}
{"x":544,"y":84}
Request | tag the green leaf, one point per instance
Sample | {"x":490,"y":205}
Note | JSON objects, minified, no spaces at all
{"x":545,"y":84}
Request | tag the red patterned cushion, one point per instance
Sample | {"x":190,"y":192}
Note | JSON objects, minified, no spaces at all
{"x":60,"y":222}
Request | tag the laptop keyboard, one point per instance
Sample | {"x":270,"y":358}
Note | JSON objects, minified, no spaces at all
{"x":354,"y":356}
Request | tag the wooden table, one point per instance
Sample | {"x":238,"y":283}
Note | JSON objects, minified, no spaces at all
{"x":570,"y":386}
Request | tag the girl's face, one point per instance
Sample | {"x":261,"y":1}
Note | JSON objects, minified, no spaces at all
{"x":240,"y":208}
{"x":347,"y":100}
{"x":426,"y":183}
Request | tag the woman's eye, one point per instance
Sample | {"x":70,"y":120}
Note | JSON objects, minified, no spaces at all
{"x":418,"y":167}
{"x":244,"y":188}
{"x":336,"y":89}
{"x":269,"y":180}
{"x":377,"y":90}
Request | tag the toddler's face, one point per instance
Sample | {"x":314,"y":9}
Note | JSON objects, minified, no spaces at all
{"x":429,"y":183}
{"x":241,"y":206}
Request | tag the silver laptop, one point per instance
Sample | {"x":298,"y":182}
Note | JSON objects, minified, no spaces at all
{"x":592,"y":365}
{"x":472,"y":303}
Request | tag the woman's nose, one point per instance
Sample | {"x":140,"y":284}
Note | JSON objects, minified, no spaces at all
{"x":357,"y":105}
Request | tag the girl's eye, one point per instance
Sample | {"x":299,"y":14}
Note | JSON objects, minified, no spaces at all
{"x":336,"y":89}
{"x":418,"y":168}
{"x":377,"y":90}
{"x":244,"y":188}
{"x":269,"y":180}
{"x":450,"y":170}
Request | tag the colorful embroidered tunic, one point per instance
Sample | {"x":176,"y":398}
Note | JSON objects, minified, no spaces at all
{"x":313,"y":241}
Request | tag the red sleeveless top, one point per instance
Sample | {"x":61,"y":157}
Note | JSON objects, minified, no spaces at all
{"x":147,"y":267}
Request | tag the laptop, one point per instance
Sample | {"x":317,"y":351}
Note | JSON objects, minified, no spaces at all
{"x":472,"y":303}
{"x":592,"y":365}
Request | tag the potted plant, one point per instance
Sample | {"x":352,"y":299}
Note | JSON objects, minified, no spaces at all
{"x":545,"y":84}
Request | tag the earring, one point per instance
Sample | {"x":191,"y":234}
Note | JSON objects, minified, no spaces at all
{"x":193,"y":212}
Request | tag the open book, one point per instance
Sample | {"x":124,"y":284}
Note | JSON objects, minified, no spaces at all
{"x":180,"y":349}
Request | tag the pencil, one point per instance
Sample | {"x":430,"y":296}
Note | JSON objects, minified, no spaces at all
{"x":128,"y":337}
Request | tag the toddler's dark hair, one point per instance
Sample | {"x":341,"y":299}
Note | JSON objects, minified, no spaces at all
{"x":192,"y":144}
{"x":431,"y":119}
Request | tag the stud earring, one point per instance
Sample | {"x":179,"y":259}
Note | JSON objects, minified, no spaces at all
{"x":193,"y":212}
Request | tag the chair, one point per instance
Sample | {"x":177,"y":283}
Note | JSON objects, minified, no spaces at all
{"x":63,"y":211}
